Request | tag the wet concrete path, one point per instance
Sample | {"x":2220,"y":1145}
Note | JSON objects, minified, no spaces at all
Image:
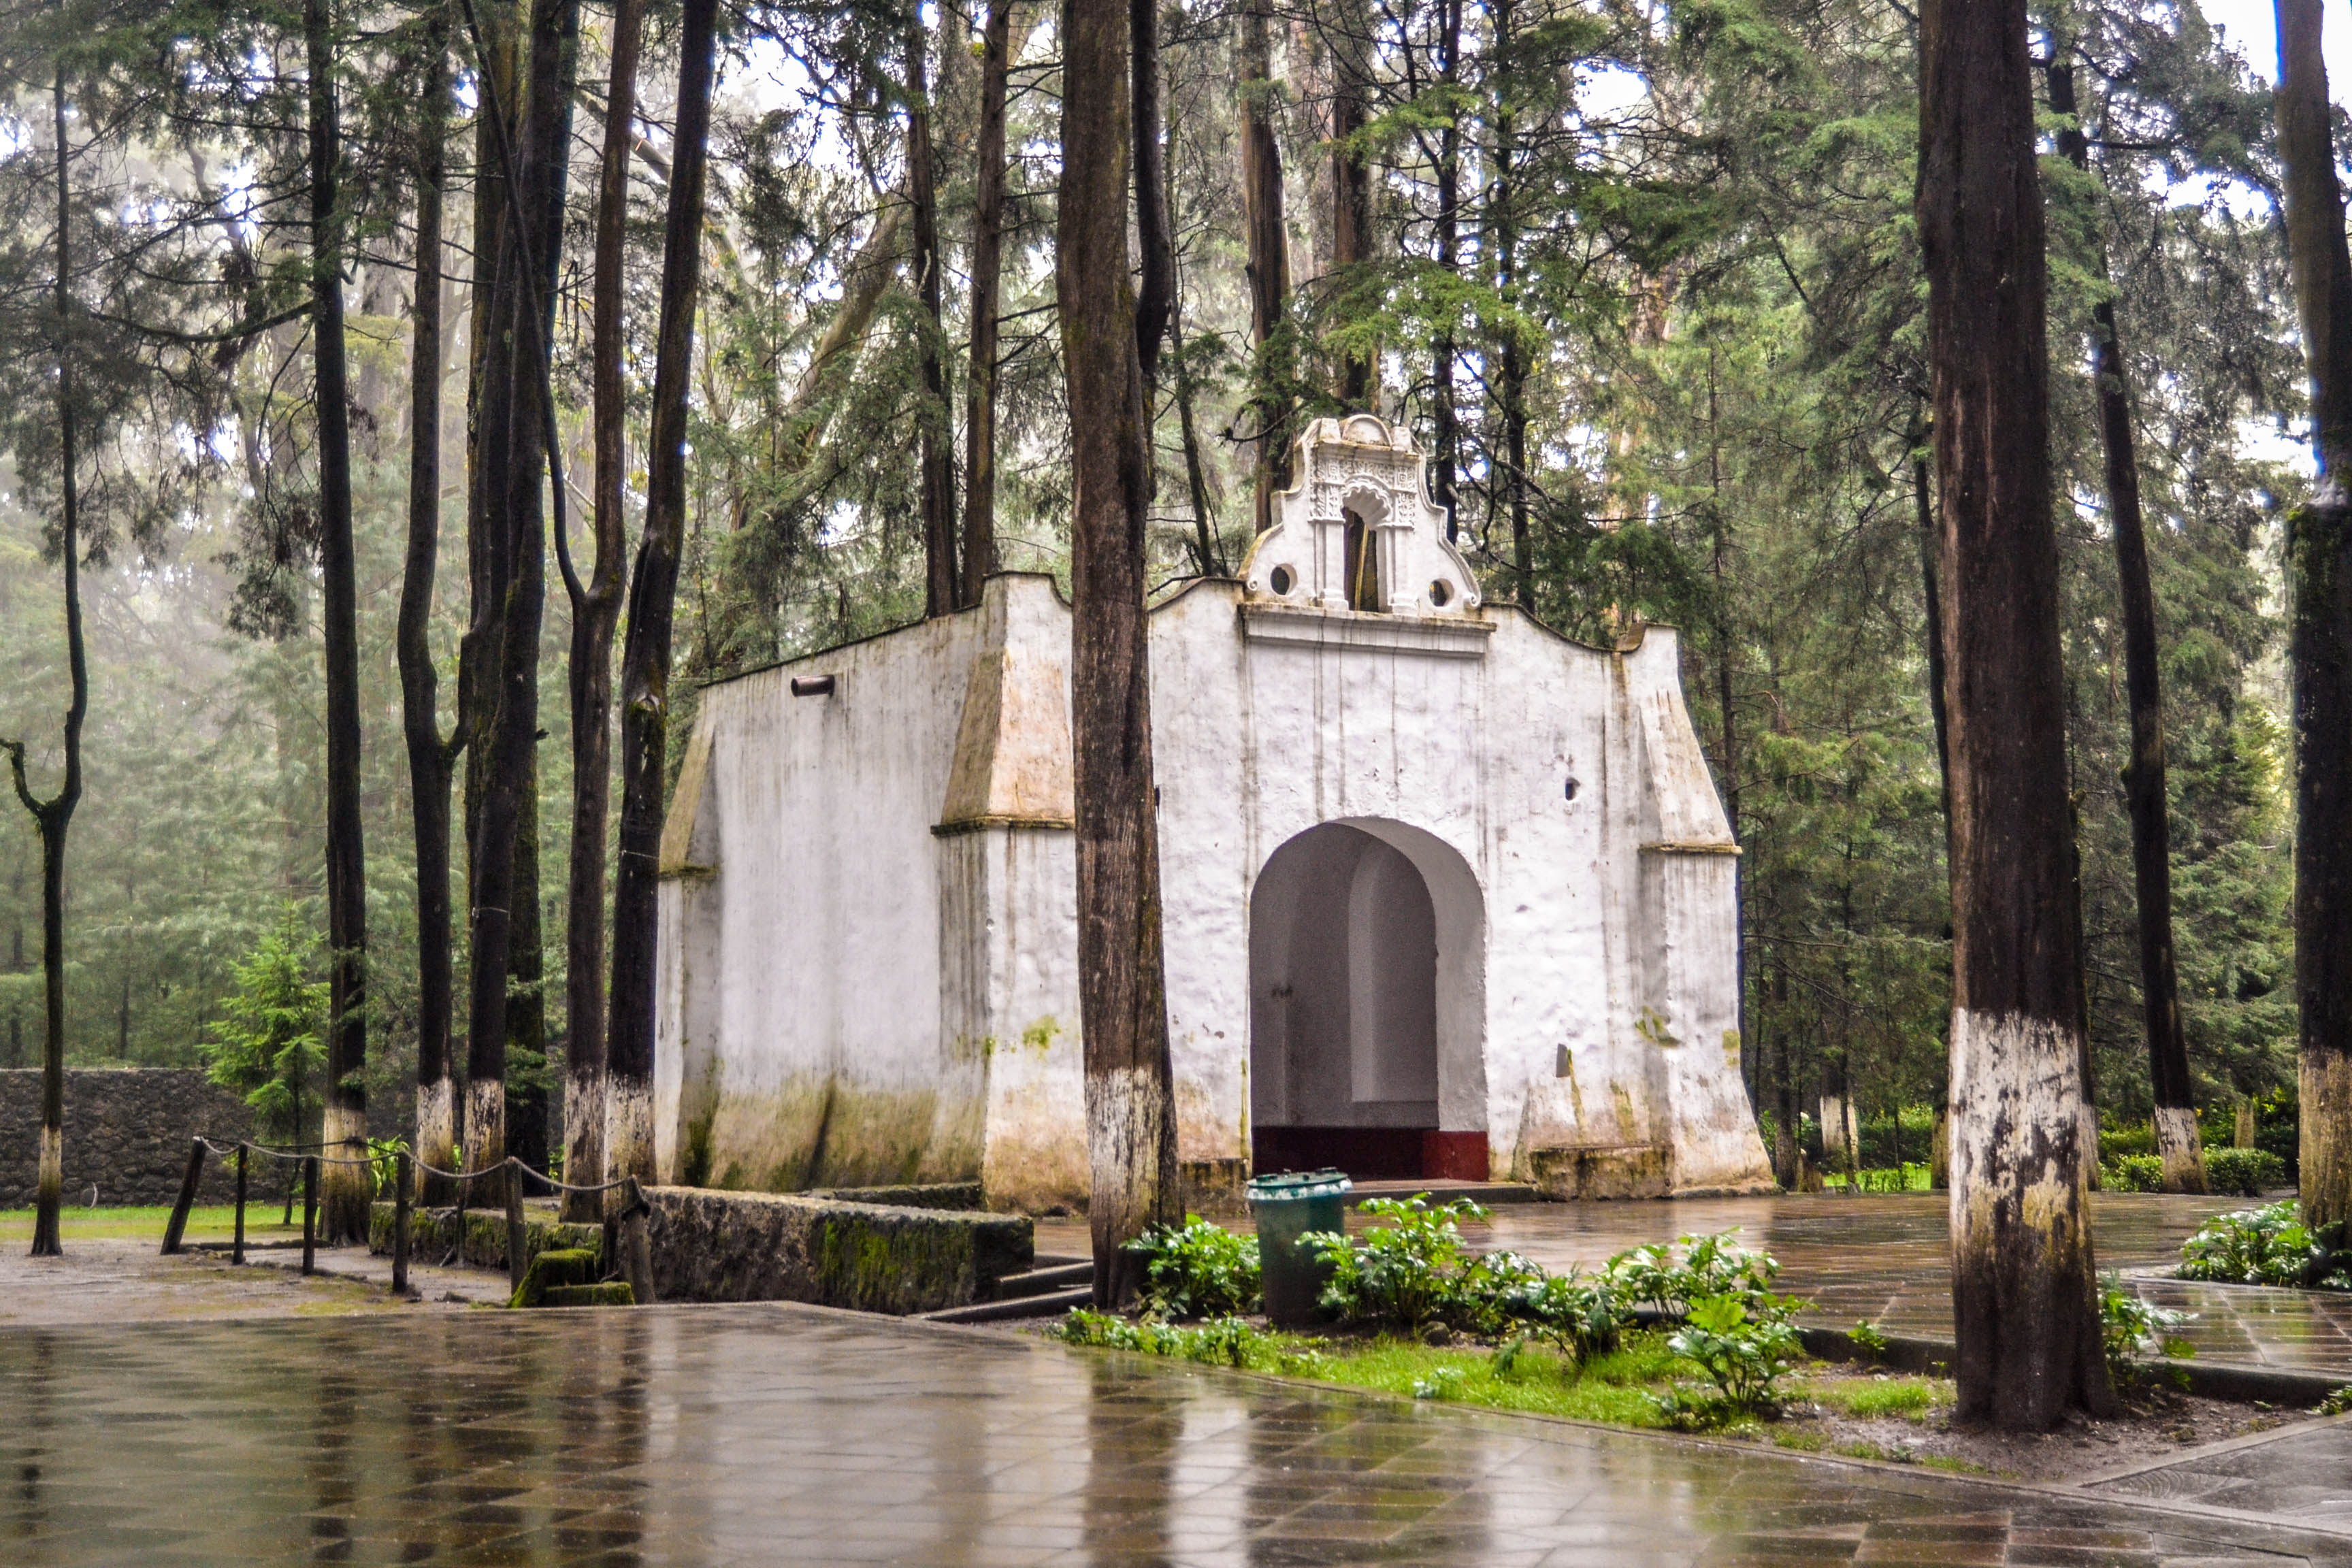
{"x":784,"y":1434}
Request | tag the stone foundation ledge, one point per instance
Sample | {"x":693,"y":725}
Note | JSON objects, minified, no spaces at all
{"x":918,"y":1196}
{"x":711,"y":1245}
{"x":714,"y":1246}
{"x":1601,"y":1171}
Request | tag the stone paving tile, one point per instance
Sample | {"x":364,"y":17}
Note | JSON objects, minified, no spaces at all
{"x":2305,"y":1475}
{"x":713,"y":1436}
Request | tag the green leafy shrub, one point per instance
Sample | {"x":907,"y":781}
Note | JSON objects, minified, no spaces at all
{"x":1743,"y":1346}
{"x":2268,"y":1245}
{"x":1443,"y":1382}
{"x":1669,"y":1278}
{"x":2131,"y":1173}
{"x":2115,"y":1142}
{"x":1578,"y":1314}
{"x":1907,"y":1177}
{"x":2129,"y":1326}
{"x":1487,"y":1293}
{"x":1409,"y":1270}
{"x":1198,"y":1269}
{"x":1867,"y":1339}
{"x":383,"y":1163}
{"x":2246,"y":1173}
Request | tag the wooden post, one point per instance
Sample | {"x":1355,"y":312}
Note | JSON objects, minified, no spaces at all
{"x":236,"y":1248}
{"x":516,"y":1239}
{"x":310,"y":1214}
{"x":178,"y":1227}
{"x":636,"y":1252}
{"x":402,"y":1189}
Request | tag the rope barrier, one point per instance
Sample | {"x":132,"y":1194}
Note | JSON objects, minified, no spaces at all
{"x":291,"y":1152}
{"x":514,"y":1161}
{"x":625,"y":1228}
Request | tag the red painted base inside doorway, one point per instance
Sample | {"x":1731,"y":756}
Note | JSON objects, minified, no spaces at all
{"x":1454,"y":1156}
{"x":1373,"y":1153}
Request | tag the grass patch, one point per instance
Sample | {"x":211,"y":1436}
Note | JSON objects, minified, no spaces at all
{"x":1614,"y":1388}
{"x":1870,"y":1396}
{"x":216,"y":1223}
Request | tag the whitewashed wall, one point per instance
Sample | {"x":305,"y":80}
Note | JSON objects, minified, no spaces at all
{"x":868,"y":906}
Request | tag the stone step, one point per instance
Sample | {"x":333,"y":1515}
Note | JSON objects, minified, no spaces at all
{"x":1050,"y":1305}
{"x":1056,"y":1275}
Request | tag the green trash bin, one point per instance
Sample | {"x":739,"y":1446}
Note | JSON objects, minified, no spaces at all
{"x":1286,"y":1208}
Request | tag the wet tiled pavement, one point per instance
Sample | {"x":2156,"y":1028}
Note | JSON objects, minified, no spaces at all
{"x":780,"y":1434}
{"x":2303,"y":1475}
{"x":1886,"y":1258}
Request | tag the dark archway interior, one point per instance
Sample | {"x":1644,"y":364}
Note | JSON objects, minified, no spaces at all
{"x":1363,"y":564}
{"x":1343,"y":1006}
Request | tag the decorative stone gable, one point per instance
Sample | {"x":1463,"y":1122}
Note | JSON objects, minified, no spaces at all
{"x":1358,"y":532}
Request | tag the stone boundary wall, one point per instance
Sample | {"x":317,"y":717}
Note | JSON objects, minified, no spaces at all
{"x":711,"y":1245}
{"x":714,"y":1246}
{"x":127,"y":1131}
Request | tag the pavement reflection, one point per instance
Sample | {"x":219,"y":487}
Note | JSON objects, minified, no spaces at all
{"x":785,"y":1434}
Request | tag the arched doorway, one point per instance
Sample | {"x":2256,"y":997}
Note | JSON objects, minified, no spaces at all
{"x":1367,"y":987}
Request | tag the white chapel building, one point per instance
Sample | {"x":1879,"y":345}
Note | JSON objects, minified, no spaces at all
{"x":1445,"y":893}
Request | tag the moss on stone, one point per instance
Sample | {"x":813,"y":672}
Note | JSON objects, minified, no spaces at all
{"x":558,"y":1268}
{"x":432,"y":1234}
{"x":711,"y":1245}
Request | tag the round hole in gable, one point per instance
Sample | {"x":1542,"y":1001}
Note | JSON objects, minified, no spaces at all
{"x":1441,"y":592}
{"x":1282,"y":582}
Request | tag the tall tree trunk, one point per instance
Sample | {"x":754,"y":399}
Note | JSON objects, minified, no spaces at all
{"x":595,"y":617}
{"x":987,"y":284}
{"x":1131,"y":1110}
{"x":1922,"y":498}
{"x":431,"y":759}
{"x":1724,"y":651}
{"x":937,"y":436}
{"x":53,"y":816}
{"x":1503,"y":221}
{"x":1785,"y":1125}
{"x":2319,"y":635}
{"x":1923,"y":502}
{"x":2024,"y":1298}
{"x":2177,"y":1144}
{"x":1155,"y":294}
{"x":645,"y":655}
{"x":534,"y":223}
{"x":1269,"y":257}
{"x":490,"y":400}
{"x":1445,"y":427}
{"x":344,"y":1202}
{"x":526,"y":1101}
{"x":1207,"y":559}
{"x":1351,"y":180}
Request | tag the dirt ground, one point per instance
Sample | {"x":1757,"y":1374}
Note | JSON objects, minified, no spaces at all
{"x":2154,"y":1426}
{"x":103,"y":1279}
